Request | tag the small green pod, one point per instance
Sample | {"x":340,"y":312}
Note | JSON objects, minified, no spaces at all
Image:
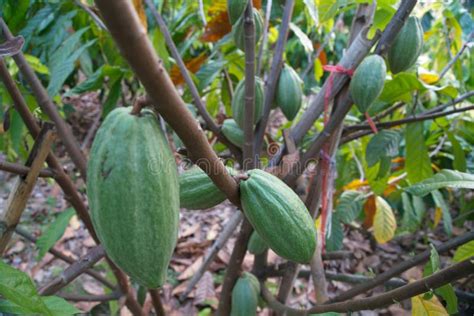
{"x":256,"y":244}
{"x":289,"y":94}
{"x":238,"y":102}
{"x":245,"y":296}
{"x":233,"y":132}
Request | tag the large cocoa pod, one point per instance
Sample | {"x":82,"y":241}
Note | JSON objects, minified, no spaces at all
{"x":233,"y":132}
{"x":368,"y":81}
{"x":238,"y":102}
{"x":132,"y":186}
{"x":245,"y":295}
{"x":197,"y":191}
{"x":289,"y":94}
{"x":278,"y":215}
{"x":407,"y":46}
{"x":238,"y":32}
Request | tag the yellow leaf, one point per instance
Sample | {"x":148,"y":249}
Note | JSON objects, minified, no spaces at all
{"x":385,"y":223}
{"x":138,"y":5}
{"x":272,"y":35}
{"x":437,"y":216}
{"x":429,"y":77}
{"x":355,"y":184}
{"x":431,"y":307}
{"x":318,"y":69}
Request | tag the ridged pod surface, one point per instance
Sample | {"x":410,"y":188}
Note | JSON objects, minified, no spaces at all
{"x":256,"y":245}
{"x":289,"y":94}
{"x":368,"y":81}
{"x":233,"y":132}
{"x":238,"y":102}
{"x":238,"y":32}
{"x":235,"y":9}
{"x":197,"y":191}
{"x":132,"y":186}
{"x":407,"y":46}
{"x":245,"y":296}
{"x":278,"y":215}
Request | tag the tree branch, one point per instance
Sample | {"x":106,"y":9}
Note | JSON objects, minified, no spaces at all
{"x":91,"y":298}
{"x":403,"y":266}
{"x":424,"y":285}
{"x":187,"y":78}
{"x":266,"y":25}
{"x":73,"y":271}
{"x":156,"y":300}
{"x":275,"y":70}
{"x":44,"y":101}
{"x":23,"y":170}
{"x":458,"y":55}
{"x":124,"y":25}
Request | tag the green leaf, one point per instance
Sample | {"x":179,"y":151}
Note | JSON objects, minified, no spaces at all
{"x":459,"y":162}
{"x":444,"y":178}
{"x":113,"y":97}
{"x":464,"y":252}
{"x":448,"y":294}
{"x":400,"y":88}
{"x":17,"y":287}
{"x":334,"y":240}
{"x":410,"y":220}
{"x":377,"y":176}
{"x":92,"y":83}
{"x":36,"y":64}
{"x":349,"y":206}
{"x":313,"y":11}
{"x":59,"y":306}
{"x":383,"y":144}
{"x":304,"y":39}
{"x":208,"y":73}
{"x":54,"y":232}
{"x":328,"y":8}
{"x":441,"y":203}
{"x":417,"y":159}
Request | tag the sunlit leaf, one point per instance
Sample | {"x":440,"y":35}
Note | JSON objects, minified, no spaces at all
{"x":385,"y":223}
{"x":304,"y":39}
{"x":431,"y":307}
{"x":443,"y":179}
{"x":464,"y":252}
{"x":429,"y":77}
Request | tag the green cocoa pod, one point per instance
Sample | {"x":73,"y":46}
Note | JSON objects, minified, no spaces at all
{"x":289,"y":94}
{"x":233,"y":133}
{"x":235,"y":9}
{"x":407,"y":46}
{"x":238,"y":102}
{"x":368,"y":81}
{"x":197,"y":191}
{"x":278,"y":215}
{"x":238,"y":29}
{"x":256,"y":244}
{"x":132,"y":186}
{"x":245,"y":295}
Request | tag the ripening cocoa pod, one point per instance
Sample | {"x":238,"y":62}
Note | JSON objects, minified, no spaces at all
{"x":289,"y":94}
{"x":238,"y":102}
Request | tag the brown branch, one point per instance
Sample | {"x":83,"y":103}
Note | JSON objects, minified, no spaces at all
{"x":226,"y":233}
{"x":275,"y":70}
{"x":266,"y":25}
{"x":91,"y":298}
{"x":187,"y":78}
{"x":403,"y":266}
{"x":233,"y":268}
{"x":58,"y":254}
{"x":424,"y":285}
{"x":156,"y":300}
{"x":249,"y":45}
{"x":45,"y":103}
{"x":23,"y":170}
{"x":394,"y":26}
{"x":92,"y":14}
{"x":73,"y":271}
{"x":124,"y":25}
{"x":23,"y":186}
{"x":363,"y":130}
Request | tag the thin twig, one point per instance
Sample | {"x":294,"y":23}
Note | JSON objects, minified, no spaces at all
{"x":226,"y":233}
{"x":92,"y":14}
{"x":438,"y":279}
{"x":91,"y":298}
{"x":275,"y":70}
{"x":263,"y":45}
{"x":58,"y":254}
{"x":23,"y":170}
{"x":189,"y":81}
{"x":47,"y":105}
{"x":73,"y":271}
{"x":456,"y":57}
{"x":156,"y":300}
{"x":403,"y":266}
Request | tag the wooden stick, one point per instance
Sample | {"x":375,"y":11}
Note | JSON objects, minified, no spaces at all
{"x":24,"y":185}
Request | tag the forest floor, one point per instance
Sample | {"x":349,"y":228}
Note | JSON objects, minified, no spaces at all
{"x":198,"y":230}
